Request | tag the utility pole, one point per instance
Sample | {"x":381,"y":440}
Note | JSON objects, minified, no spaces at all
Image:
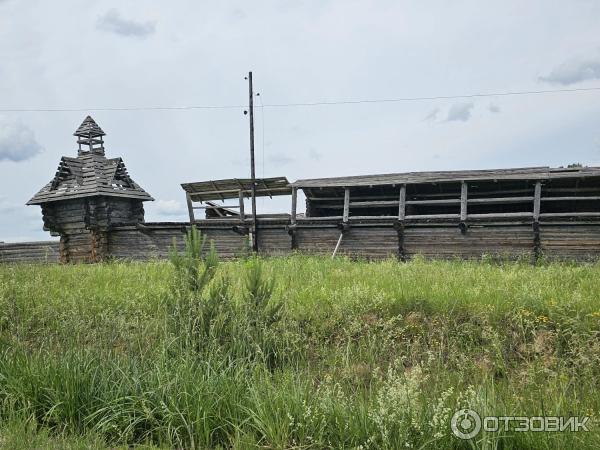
{"x":252,"y":168}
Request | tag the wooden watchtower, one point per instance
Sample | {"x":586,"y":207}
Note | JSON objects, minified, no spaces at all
{"x":88,"y":195}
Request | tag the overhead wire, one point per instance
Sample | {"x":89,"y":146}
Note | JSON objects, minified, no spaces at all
{"x":302,"y":104}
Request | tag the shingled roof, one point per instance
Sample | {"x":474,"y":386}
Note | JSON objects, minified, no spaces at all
{"x":90,"y":174}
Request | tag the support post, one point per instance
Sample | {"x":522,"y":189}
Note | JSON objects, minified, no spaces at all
{"x":399,"y":227}
{"x":402,"y":203}
{"x":242,"y":212}
{"x":463,"y":207}
{"x":537,"y":245}
{"x":537,"y":196}
{"x":190,"y":208}
{"x":294,"y":205}
{"x":346,"y":214}
{"x":463,"y":202}
{"x":339,"y":241}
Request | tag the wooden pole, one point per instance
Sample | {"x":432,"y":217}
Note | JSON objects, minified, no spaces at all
{"x":346,"y":205}
{"x":339,"y":241}
{"x":190,"y":208}
{"x":402,"y":203}
{"x":242,"y":213}
{"x":294,"y":205}
{"x":252,"y":166}
{"x":537,"y":242}
{"x":537,"y":196}
{"x":463,"y":202}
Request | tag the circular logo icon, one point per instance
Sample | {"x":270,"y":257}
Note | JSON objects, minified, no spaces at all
{"x":465,"y":424}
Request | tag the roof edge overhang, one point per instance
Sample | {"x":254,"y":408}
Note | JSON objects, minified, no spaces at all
{"x":141,"y":198}
{"x":524,"y":173}
{"x":230,"y":188}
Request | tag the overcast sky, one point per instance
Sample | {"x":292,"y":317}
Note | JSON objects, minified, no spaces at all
{"x":73,"y":54}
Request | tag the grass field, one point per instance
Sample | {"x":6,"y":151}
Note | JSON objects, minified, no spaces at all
{"x":295,"y":352}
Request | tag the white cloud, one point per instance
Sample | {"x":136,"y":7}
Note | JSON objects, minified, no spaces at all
{"x":114,"y":23}
{"x":574,"y":71}
{"x":17,"y":141}
{"x":460,"y":112}
{"x":167,"y":208}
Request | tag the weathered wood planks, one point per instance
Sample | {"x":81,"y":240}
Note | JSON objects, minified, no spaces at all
{"x":30,"y":252}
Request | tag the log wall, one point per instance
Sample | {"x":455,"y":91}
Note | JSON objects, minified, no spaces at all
{"x":566,"y":241}
{"x":30,"y":252}
{"x":447,"y":242}
{"x":570,"y":242}
{"x":155,"y":240}
{"x":274,"y":241}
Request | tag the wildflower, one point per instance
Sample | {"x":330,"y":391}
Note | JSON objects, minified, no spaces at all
{"x":398,"y":406}
{"x":441,"y":414}
{"x":525,"y":312}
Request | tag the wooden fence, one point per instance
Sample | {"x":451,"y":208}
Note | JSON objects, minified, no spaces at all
{"x":554,"y":241}
{"x":29,"y":252}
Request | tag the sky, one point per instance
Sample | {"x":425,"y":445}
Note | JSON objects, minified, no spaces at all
{"x":90,"y":55}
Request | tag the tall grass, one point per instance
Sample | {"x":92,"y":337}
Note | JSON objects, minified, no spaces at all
{"x":295,"y":352}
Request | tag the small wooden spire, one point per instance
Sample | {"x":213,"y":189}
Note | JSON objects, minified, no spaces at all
{"x":91,"y":135}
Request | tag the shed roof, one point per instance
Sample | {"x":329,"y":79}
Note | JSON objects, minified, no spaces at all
{"x":90,"y":174}
{"x":524,"y":173}
{"x":229,"y":188}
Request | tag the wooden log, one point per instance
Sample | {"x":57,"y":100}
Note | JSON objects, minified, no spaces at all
{"x":190,"y":207}
{"x":384,"y":203}
{"x":241,"y":201}
{"x":371,"y":204}
{"x":537,"y":247}
{"x":294,"y":205}
{"x":215,"y":206}
{"x":568,"y":199}
{"x":432,"y":216}
{"x":444,"y":201}
{"x":536,"y":201}
{"x":463,"y":202}
{"x":574,"y":214}
{"x":337,"y":246}
{"x":499,"y":200}
{"x":500,"y":215}
{"x":400,"y":235}
{"x":346,"y":213}
{"x":402,"y":203}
